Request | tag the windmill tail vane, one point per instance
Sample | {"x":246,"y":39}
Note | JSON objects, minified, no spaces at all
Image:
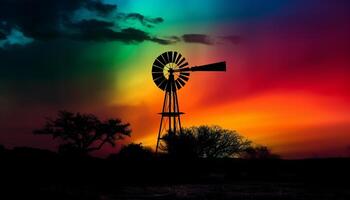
{"x":170,"y":72}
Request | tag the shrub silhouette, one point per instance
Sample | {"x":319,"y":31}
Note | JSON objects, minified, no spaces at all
{"x":134,"y":152}
{"x":259,"y":152}
{"x":83,"y":133}
{"x":204,"y":142}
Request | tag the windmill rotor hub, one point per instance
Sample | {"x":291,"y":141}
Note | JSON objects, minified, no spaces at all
{"x":169,"y":70}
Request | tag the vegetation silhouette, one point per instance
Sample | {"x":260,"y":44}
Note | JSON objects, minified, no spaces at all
{"x":133,"y":152}
{"x":205,"y":142}
{"x":83,"y":133}
{"x":259,"y":152}
{"x":210,"y":163}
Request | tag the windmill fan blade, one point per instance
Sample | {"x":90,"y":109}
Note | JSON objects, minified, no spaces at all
{"x":174,"y":56}
{"x":181,"y":61}
{"x":178,"y":58}
{"x":155,"y":68}
{"x":178,"y":85}
{"x":158,"y":63}
{"x":170,"y":56}
{"x":181,"y":81}
{"x":158,"y":81}
{"x":157,"y":75}
{"x":185,"y":78}
{"x":165,"y":58}
{"x":183,"y":65}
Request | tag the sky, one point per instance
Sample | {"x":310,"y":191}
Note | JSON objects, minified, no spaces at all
{"x":286,"y":86}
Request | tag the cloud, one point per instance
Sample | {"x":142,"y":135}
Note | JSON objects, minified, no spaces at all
{"x":44,"y":20}
{"x":92,"y":24}
{"x":210,"y":40}
{"x":50,"y":19}
{"x":98,"y":30}
{"x":132,"y":34}
{"x":15,"y":37}
{"x":101,"y":8}
{"x":146,"y":21}
{"x":166,"y":40}
{"x":197,"y":38}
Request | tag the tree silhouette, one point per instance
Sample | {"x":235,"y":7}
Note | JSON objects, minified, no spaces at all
{"x":84,"y":133}
{"x":205,"y":142}
{"x":180,"y":145}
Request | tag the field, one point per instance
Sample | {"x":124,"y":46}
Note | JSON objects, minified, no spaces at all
{"x":50,"y":176}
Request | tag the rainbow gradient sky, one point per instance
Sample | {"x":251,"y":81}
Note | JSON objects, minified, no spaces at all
{"x":287,"y":83}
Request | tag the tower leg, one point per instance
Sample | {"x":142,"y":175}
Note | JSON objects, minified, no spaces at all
{"x":175,"y":111}
{"x":178,"y":110}
{"x":161,"y":122}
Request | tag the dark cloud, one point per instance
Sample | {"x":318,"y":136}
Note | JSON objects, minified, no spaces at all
{"x":87,"y":25}
{"x":198,"y":38}
{"x":146,"y":21}
{"x":44,"y":20}
{"x":210,"y":40}
{"x":97,"y":30}
{"x":133,"y":35}
{"x":52,"y":19}
{"x":166,"y":40}
{"x":101,"y":8}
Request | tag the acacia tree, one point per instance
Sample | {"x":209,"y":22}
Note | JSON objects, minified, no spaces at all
{"x":84,"y":133}
{"x":205,"y":141}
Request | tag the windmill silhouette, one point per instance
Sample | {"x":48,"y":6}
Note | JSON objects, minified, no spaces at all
{"x":170,"y":72}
